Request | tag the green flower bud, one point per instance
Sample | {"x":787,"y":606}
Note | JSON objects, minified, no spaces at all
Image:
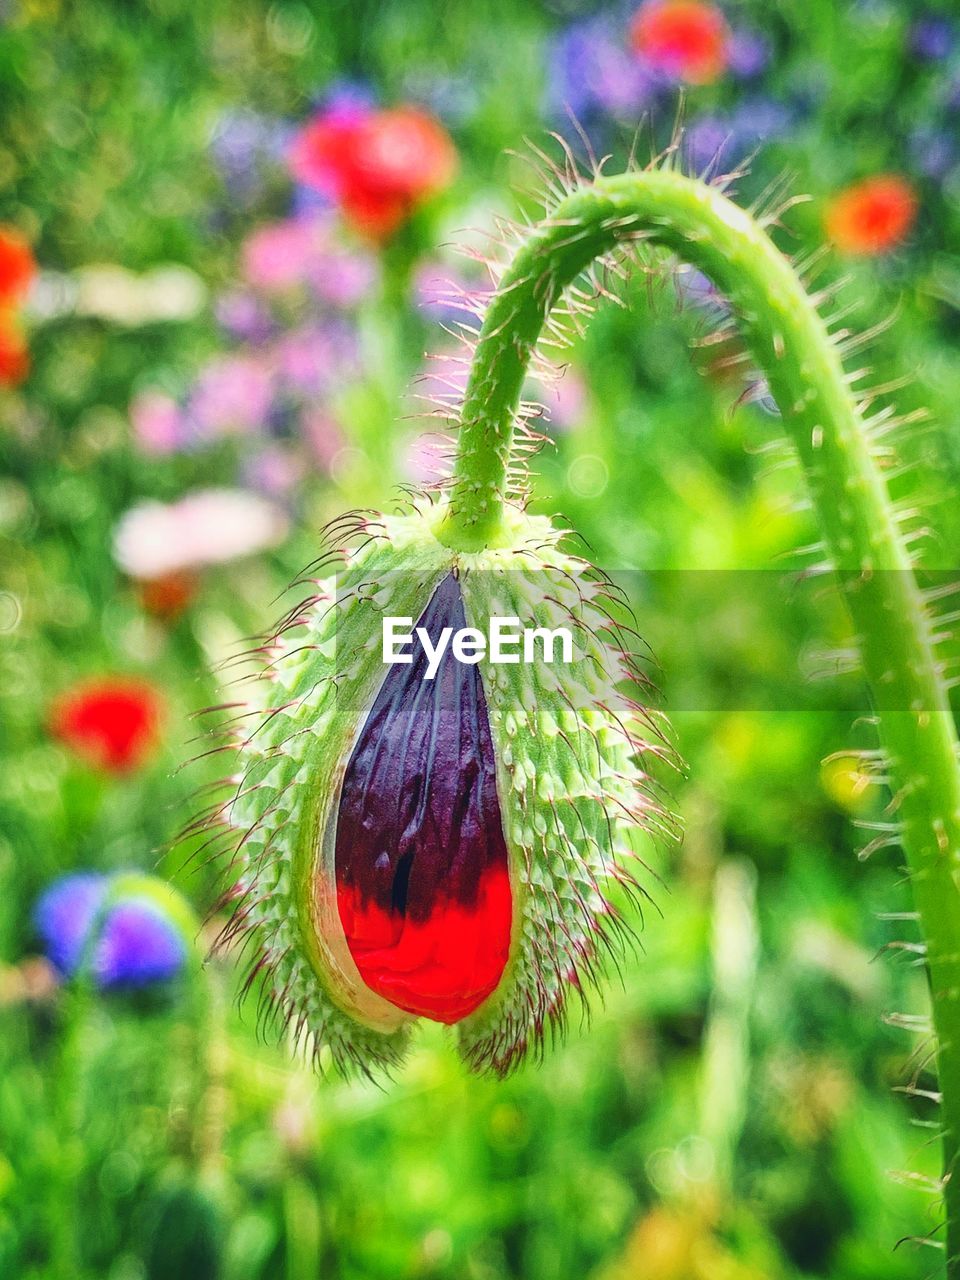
{"x":441,"y":833}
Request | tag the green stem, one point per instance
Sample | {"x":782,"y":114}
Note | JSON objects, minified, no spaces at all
{"x":803,"y":366}
{"x":69,"y":1105}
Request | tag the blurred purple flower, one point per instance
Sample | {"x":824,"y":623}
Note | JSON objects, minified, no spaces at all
{"x":729,"y":139}
{"x":137,"y":943}
{"x":243,"y":316}
{"x":748,"y":54}
{"x":347,"y":99}
{"x":343,"y":278}
{"x":707,"y":140}
{"x":698,"y":290}
{"x":232,"y":395}
{"x":449,"y":298}
{"x":310,"y":359}
{"x":591,"y":70}
{"x":931,"y":38}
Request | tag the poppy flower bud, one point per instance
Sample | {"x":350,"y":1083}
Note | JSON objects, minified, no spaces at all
{"x":443,"y":794}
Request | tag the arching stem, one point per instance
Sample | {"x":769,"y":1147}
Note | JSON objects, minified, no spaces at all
{"x":803,"y":366}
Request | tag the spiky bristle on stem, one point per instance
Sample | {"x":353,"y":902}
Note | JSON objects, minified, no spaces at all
{"x":803,"y":365}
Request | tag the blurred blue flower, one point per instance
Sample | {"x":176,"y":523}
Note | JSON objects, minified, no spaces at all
{"x":243,"y":145}
{"x":452,"y":99}
{"x":760,"y":119}
{"x":934,"y":151}
{"x":729,"y":139}
{"x":931,"y":38}
{"x":708,"y":139}
{"x":698,"y":290}
{"x":139,"y":941}
{"x":346,"y":97}
{"x":748,"y":54}
{"x":307,"y":202}
{"x":590,"y":71}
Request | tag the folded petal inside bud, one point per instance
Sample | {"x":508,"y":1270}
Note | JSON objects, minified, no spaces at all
{"x":423,"y":886}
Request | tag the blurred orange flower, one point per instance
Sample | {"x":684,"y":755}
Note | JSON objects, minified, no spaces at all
{"x":377,"y":165}
{"x":112,"y":723}
{"x":685,"y":38}
{"x":167,"y":597}
{"x":872,"y":216}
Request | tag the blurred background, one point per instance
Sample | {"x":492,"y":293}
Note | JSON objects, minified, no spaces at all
{"x":229,"y":235}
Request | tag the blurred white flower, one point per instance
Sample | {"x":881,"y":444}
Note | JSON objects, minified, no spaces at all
{"x":210,"y":526}
{"x":109,"y":292}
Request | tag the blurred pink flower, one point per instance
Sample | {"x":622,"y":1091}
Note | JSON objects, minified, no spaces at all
{"x":427,"y":459}
{"x":343,"y":278}
{"x":309,"y":359}
{"x":299,"y":251}
{"x":324,"y":436}
{"x":232,"y":395}
{"x":565,"y":398}
{"x":209,"y":526}
{"x":244,"y":316}
{"x":157,"y":422}
{"x":436,"y":391}
{"x":274,"y":471}
{"x":278,"y":256}
{"x":442,"y":381}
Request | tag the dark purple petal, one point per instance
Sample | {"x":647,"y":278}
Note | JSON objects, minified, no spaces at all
{"x":419,"y":813}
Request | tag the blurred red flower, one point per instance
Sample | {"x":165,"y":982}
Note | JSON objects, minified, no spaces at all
{"x":112,"y":722}
{"x":17,"y":265}
{"x":377,"y":165}
{"x":684,"y":38}
{"x":14,"y":356}
{"x":872,"y":216}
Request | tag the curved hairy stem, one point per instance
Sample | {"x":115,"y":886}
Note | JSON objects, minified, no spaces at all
{"x":803,"y":366}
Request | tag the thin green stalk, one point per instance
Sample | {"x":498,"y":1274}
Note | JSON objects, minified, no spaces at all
{"x":725,"y":1065}
{"x":803,"y":366}
{"x":69,"y":1107}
